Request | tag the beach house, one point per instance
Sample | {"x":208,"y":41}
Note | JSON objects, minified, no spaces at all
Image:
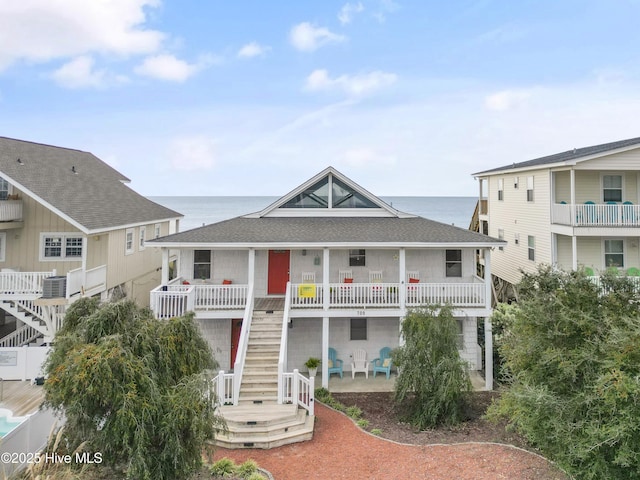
{"x":69,"y":227}
{"x":329,"y":270}
{"x":574,"y":209}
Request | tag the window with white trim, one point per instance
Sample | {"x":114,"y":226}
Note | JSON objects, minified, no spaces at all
{"x":460,"y":338}
{"x":501,"y":189}
{"x":516,"y":183}
{"x":142,"y":233}
{"x":156,"y":230}
{"x":530,"y":189}
{"x":612,"y":188}
{"x":501,"y":237}
{"x":614,"y":253}
{"x":202,"y":264}
{"x":453,"y":263}
{"x":60,"y":246}
{"x":531,"y":242}
{"x":358,"y":329}
{"x":4,"y":189}
{"x":357,"y":258}
{"x":128,"y":241}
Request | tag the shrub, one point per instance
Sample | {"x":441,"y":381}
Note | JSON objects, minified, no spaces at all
{"x":363,"y":423}
{"x":246,"y":469}
{"x":433,"y":383}
{"x":225,"y":467}
{"x":354,"y":412}
{"x":572,"y":350}
{"x":376,"y":431}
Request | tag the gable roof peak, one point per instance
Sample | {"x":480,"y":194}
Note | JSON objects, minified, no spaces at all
{"x":329,"y":193}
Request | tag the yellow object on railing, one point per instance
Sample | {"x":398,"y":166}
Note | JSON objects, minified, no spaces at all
{"x":307,"y":290}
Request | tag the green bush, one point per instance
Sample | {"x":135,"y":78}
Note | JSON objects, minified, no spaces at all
{"x":573,"y":353}
{"x":376,"y":431}
{"x":246,"y":469}
{"x":225,"y":467}
{"x":433,"y":385}
{"x":354,"y":412}
{"x":363,"y":423}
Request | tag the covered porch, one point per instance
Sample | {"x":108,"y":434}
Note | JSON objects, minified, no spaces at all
{"x":380,"y":383}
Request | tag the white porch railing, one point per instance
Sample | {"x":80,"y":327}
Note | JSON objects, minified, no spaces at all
{"x":298,"y":389}
{"x":88,"y":283}
{"x":21,"y":336}
{"x":243,"y":343}
{"x":596,"y":215}
{"x":170,"y":301}
{"x":22,"y":283}
{"x":284,"y":341}
{"x":387,"y":294}
{"x":10,"y":210}
{"x":634,"y":280}
{"x":223,"y":386}
{"x":455,"y":294}
{"x":176,"y":299}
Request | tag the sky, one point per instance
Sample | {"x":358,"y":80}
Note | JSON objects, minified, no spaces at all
{"x":254,"y":97}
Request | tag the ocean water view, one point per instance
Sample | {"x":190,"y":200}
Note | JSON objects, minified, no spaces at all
{"x":199,"y":211}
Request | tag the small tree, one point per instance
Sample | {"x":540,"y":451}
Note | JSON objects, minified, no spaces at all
{"x":572,"y":350}
{"x":433,"y":383}
{"x":134,"y":388}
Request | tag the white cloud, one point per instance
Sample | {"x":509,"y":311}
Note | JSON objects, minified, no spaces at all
{"x":385,"y":7}
{"x":80,"y":73}
{"x":44,"y":30}
{"x":319,"y":80}
{"x":507,"y":99}
{"x":253,"y":49}
{"x":345,"y":15}
{"x":307,"y":37}
{"x":168,"y":67}
{"x":192,"y":153}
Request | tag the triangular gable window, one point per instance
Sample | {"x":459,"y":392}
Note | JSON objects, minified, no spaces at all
{"x":345,"y":197}
{"x":342,"y":196}
{"x":316,"y":196}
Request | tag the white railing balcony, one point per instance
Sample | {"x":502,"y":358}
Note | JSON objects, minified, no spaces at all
{"x":455,"y":294}
{"x":596,"y":215}
{"x":10,"y":210}
{"x":22,"y":283}
{"x":386,"y":295}
{"x":176,"y":299}
{"x":298,"y":389}
{"x":89,"y":283}
{"x":223,"y":388}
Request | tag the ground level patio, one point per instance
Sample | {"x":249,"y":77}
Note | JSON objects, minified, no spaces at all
{"x":379,"y":383}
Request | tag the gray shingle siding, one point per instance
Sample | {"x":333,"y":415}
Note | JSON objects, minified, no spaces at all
{"x":327,"y":230}
{"x":569,"y":155}
{"x":95,"y":196}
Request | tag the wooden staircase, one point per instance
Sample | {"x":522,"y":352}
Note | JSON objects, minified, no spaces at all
{"x":258,"y":421}
{"x":260,"y":374}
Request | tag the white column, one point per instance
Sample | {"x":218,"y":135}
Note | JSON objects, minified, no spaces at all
{"x":85,"y":249}
{"x":487,"y":278}
{"x":325,"y":279}
{"x":252,"y":266}
{"x":402,"y":268}
{"x":325,"y":352}
{"x":574,"y":252}
{"x":488,"y":354}
{"x":165,"y":267}
{"x":572,"y":184}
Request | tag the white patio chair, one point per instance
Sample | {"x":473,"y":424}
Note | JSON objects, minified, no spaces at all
{"x":346,"y":289}
{"x":375,"y":291}
{"x":308,"y":277}
{"x":413,"y":277}
{"x":359,"y":363}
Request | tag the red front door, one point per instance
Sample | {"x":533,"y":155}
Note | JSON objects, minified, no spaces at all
{"x":278,"y":272}
{"x":236,"y":328}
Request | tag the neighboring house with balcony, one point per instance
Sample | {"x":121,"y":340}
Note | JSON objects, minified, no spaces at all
{"x":70,"y":227}
{"x":332,"y":266}
{"x":575,"y":209}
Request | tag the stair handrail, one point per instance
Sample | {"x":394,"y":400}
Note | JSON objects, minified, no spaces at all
{"x":283,"y":344}
{"x":20,"y":336}
{"x":241,"y":354}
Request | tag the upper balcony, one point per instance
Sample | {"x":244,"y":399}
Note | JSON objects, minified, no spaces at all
{"x":611,"y":214}
{"x":10,"y":210}
{"x":177,"y":298}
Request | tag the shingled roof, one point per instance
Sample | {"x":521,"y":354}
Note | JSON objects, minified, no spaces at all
{"x":569,"y":155}
{"x":326,"y":231}
{"x":77,"y":185}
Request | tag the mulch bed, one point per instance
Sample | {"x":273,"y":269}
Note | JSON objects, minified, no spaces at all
{"x":378,"y":408}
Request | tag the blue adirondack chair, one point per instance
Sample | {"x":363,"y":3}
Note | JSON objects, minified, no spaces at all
{"x":335,"y":364}
{"x":382,"y":363}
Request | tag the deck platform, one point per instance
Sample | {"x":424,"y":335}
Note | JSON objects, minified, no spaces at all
{"x":22,"y":398}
